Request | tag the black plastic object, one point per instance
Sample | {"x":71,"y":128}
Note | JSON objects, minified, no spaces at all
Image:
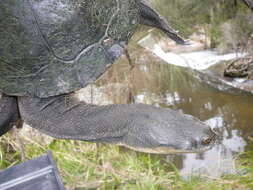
{"x":38,"y":174}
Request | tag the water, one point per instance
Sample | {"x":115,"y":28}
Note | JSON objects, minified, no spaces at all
{"x":153,"y":81}
{"x":198,"y":60}
{"x":164,"y":78}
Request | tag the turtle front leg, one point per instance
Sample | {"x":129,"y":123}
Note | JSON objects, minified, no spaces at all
{"x":8,"y":113}
{"x":152,"y":18}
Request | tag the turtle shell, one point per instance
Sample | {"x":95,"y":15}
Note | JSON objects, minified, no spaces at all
{"x":51,"y":47}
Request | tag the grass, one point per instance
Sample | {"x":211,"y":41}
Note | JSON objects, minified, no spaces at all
{"x":85,"y":165}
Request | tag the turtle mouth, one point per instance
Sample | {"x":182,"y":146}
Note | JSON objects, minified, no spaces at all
{"x":166,"y":149}
{"x":170,"y":150}
{"x":196,"y":146}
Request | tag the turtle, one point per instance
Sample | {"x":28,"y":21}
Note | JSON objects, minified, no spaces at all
{"x":239,"y":68}
{"x":49,"y":49}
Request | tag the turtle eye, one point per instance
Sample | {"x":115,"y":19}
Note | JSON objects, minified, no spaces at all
{"x":206,"y":141}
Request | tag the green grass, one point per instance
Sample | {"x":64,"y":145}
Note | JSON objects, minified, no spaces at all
{"x":85,"y":165}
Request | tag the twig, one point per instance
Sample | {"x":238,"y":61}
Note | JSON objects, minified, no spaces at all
{"x":248,"y":3}
{"x":20,"y":144}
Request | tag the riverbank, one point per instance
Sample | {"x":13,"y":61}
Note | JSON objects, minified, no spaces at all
{"x":112,"y":167}
{"x":209,"y":64}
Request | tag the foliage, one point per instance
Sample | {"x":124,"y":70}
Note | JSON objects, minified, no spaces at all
{"x":190,"y":15}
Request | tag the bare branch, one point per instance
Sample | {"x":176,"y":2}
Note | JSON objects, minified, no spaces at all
{"x":248,"y":3}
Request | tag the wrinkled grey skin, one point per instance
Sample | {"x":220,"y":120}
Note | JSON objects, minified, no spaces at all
{"x":8,"y":113}
{"x":51,"y":48}
{"x":138,"y":126}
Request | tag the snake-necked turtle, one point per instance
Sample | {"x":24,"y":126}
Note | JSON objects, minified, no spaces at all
{"x":51,"y":48}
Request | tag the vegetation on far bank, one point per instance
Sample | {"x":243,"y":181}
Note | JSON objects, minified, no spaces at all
{"x":227,"y":23}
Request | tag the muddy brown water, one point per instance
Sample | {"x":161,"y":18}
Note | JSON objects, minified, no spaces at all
{"x":147,"y":79}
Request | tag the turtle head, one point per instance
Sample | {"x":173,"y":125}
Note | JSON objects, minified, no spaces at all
{"x":187,"y":137}
{"x":166,"y":131}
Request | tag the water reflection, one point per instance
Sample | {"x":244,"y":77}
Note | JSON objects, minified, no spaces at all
{"x":152,"y":81}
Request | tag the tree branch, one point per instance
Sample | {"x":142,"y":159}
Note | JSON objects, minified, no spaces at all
{"x":248,"y":3}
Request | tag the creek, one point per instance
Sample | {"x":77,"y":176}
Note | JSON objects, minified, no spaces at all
{"x":149,"y":78}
